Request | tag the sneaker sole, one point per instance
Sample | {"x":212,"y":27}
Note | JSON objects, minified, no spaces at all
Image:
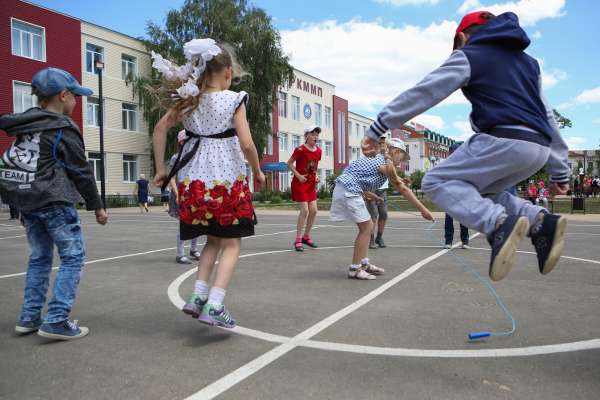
{"x":211,"y":322}
{"x":48,"y":335}
{"x":190,"y":312}
{"x":505,"y":258}
{"x":22,"y":329}
{"x":557,"y":246}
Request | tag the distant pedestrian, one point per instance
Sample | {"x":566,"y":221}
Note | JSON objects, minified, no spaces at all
{"x":141,"y":190}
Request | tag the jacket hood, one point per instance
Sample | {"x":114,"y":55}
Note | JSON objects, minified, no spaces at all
{"x":35,"y":120}
{"x":502,"y":30}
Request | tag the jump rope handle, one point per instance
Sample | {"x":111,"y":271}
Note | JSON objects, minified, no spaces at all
{"x":479,"y":335}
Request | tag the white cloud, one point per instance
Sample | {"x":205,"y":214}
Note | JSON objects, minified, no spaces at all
{"x":400,"y":3}
{"x":464,"y":127}
{"x":536,"y":35}
{"x":529,"y":11}
{"x":575,"y":142}
{"x":433,"y":122}
{"x":370,"y":63}
{"x":552,"y":77}
{"x":589,"y":96}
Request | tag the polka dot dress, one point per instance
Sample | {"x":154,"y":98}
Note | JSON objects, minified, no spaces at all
{"x":214,"y":195}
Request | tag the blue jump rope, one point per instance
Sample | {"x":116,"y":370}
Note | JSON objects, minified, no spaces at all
{"x":467,"y":268}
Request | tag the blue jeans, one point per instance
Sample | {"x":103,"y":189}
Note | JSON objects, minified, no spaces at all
{"x":55,"y":225}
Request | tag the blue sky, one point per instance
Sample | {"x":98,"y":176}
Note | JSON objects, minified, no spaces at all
{"x":371,"y":50}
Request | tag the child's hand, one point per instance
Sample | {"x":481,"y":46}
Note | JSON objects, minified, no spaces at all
{"x":101,"y":216}
{"x":559,"y":188}
{"x":260,"y":178}
{"x":159,"y":178}
{"x":427,"y":215}
{"x":373,"y":197}
{"x":369,"y":147}
{"x":301,"y":178}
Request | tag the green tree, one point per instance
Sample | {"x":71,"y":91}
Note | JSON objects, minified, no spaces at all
{"x":415,"y":179}
{"x":249,"y":30}
{"x":563,"y":122}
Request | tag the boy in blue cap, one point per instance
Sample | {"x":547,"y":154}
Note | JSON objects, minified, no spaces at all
{"x":515,"y":136}
{"x":44,"y":172}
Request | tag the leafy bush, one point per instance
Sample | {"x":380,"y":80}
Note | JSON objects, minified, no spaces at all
{"x":276,"y":199}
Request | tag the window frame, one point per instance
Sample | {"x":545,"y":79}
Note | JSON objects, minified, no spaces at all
{"x":327,"y":117}
{"x":283,"y":135}
{"x":282,"y":100}
{"x":42,"y":36}
{"x":102,"y":58}
{"x":96,"y":113}
{"x":34,"y":99}
{"x":295,"y":108}
{"x":318,"y":114}
{"x":133,"y":172}
{"x":128,"y":111}
{"x":96,"y":164}
{"x":134,"y":73}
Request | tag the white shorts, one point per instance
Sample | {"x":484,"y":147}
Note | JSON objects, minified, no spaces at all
{"x":348,"y":206}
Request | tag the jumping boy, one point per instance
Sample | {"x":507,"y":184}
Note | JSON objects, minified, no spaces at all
{"x":516,"y":135}
{"x":44,"y":172}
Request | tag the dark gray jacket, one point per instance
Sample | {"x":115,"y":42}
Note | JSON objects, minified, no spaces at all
{"x":46,"y":164}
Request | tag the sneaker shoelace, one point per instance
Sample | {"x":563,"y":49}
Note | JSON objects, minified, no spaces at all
{"x":73,"y":324}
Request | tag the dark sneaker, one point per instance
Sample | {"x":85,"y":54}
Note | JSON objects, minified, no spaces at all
{"x":195,"y":254}
{"x":24,"y":327}
{"x":194,"y":305}
{"x":549,"y":241}
{"x":65,"y":330}
{"x":380,"y":243}
{"x":216,"y":315}
{"x":504,"y":241}
{"x":308,"y":241}
{"x":183,"y":260}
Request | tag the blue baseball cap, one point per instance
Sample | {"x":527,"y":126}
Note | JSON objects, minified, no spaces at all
{"x":51,"y":81}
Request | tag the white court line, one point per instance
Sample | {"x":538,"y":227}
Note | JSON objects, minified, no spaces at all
{"x":141,"y":254}
{"x":533,"y":252}
{"x":12,"y":237}
{"x":230,"y":380}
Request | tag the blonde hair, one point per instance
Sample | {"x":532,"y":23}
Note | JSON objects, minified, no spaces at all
{"x":390,"y":168}
{"x":184,"y":107}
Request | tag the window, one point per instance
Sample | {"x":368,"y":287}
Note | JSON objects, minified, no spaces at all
{"x":129,"y":168}
{"x":93,"y":111}
{"x":283,"y":142}
{"x":349,"y":127}
{"x":129,"y":116}
{"x":341,"y":138}
{"x":328,"y":149}
{"x":93,"y":53}
{"x":94,"y":161}
{"x":282,"y":104}
{"x":317,"y":114}
{"x":296,"y":108}
{"x":28,"y":40}
{"x":128,"y":67}
{"x":327,"y":117}
{"x":284,"y":180}
{"x":269,"y":145}
{"x":364,"y":130}
{"x":22,"y":98}
{"x":295,"y":141}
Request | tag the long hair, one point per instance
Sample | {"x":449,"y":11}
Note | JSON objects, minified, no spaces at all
{"x":184,"y":107}
{"x":390,"y":168}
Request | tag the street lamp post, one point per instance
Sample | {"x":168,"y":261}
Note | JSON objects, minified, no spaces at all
{"x":99,"y":69}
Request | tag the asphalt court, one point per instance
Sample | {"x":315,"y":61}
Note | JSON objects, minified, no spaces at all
{"x":305,"y":330}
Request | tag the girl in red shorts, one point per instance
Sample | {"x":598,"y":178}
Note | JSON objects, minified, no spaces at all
{"x":304,"y":184}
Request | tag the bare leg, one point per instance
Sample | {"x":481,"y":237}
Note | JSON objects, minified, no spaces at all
{"x":301,"y":218}
{"x":229,"y":258}
{"x":361,"y":244}
{"x":312,"y":214}
{"x":141,"y":207}
{"x":208,"y":257}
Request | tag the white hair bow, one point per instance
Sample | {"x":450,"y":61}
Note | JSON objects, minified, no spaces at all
{"x":197,"y":53}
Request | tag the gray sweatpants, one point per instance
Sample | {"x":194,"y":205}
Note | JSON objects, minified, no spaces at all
{"x":470,"y":184}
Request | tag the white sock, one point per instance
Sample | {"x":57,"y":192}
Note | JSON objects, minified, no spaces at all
{"x":364,"y":261}
{"x":179,"y":246}
{"x":354,"y":266}
{"x":216,"y":296}
{"x":201,"y":289}
{"x":194,"y":245}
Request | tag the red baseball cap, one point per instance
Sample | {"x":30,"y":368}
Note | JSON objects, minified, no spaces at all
{"x":474,"y":18}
